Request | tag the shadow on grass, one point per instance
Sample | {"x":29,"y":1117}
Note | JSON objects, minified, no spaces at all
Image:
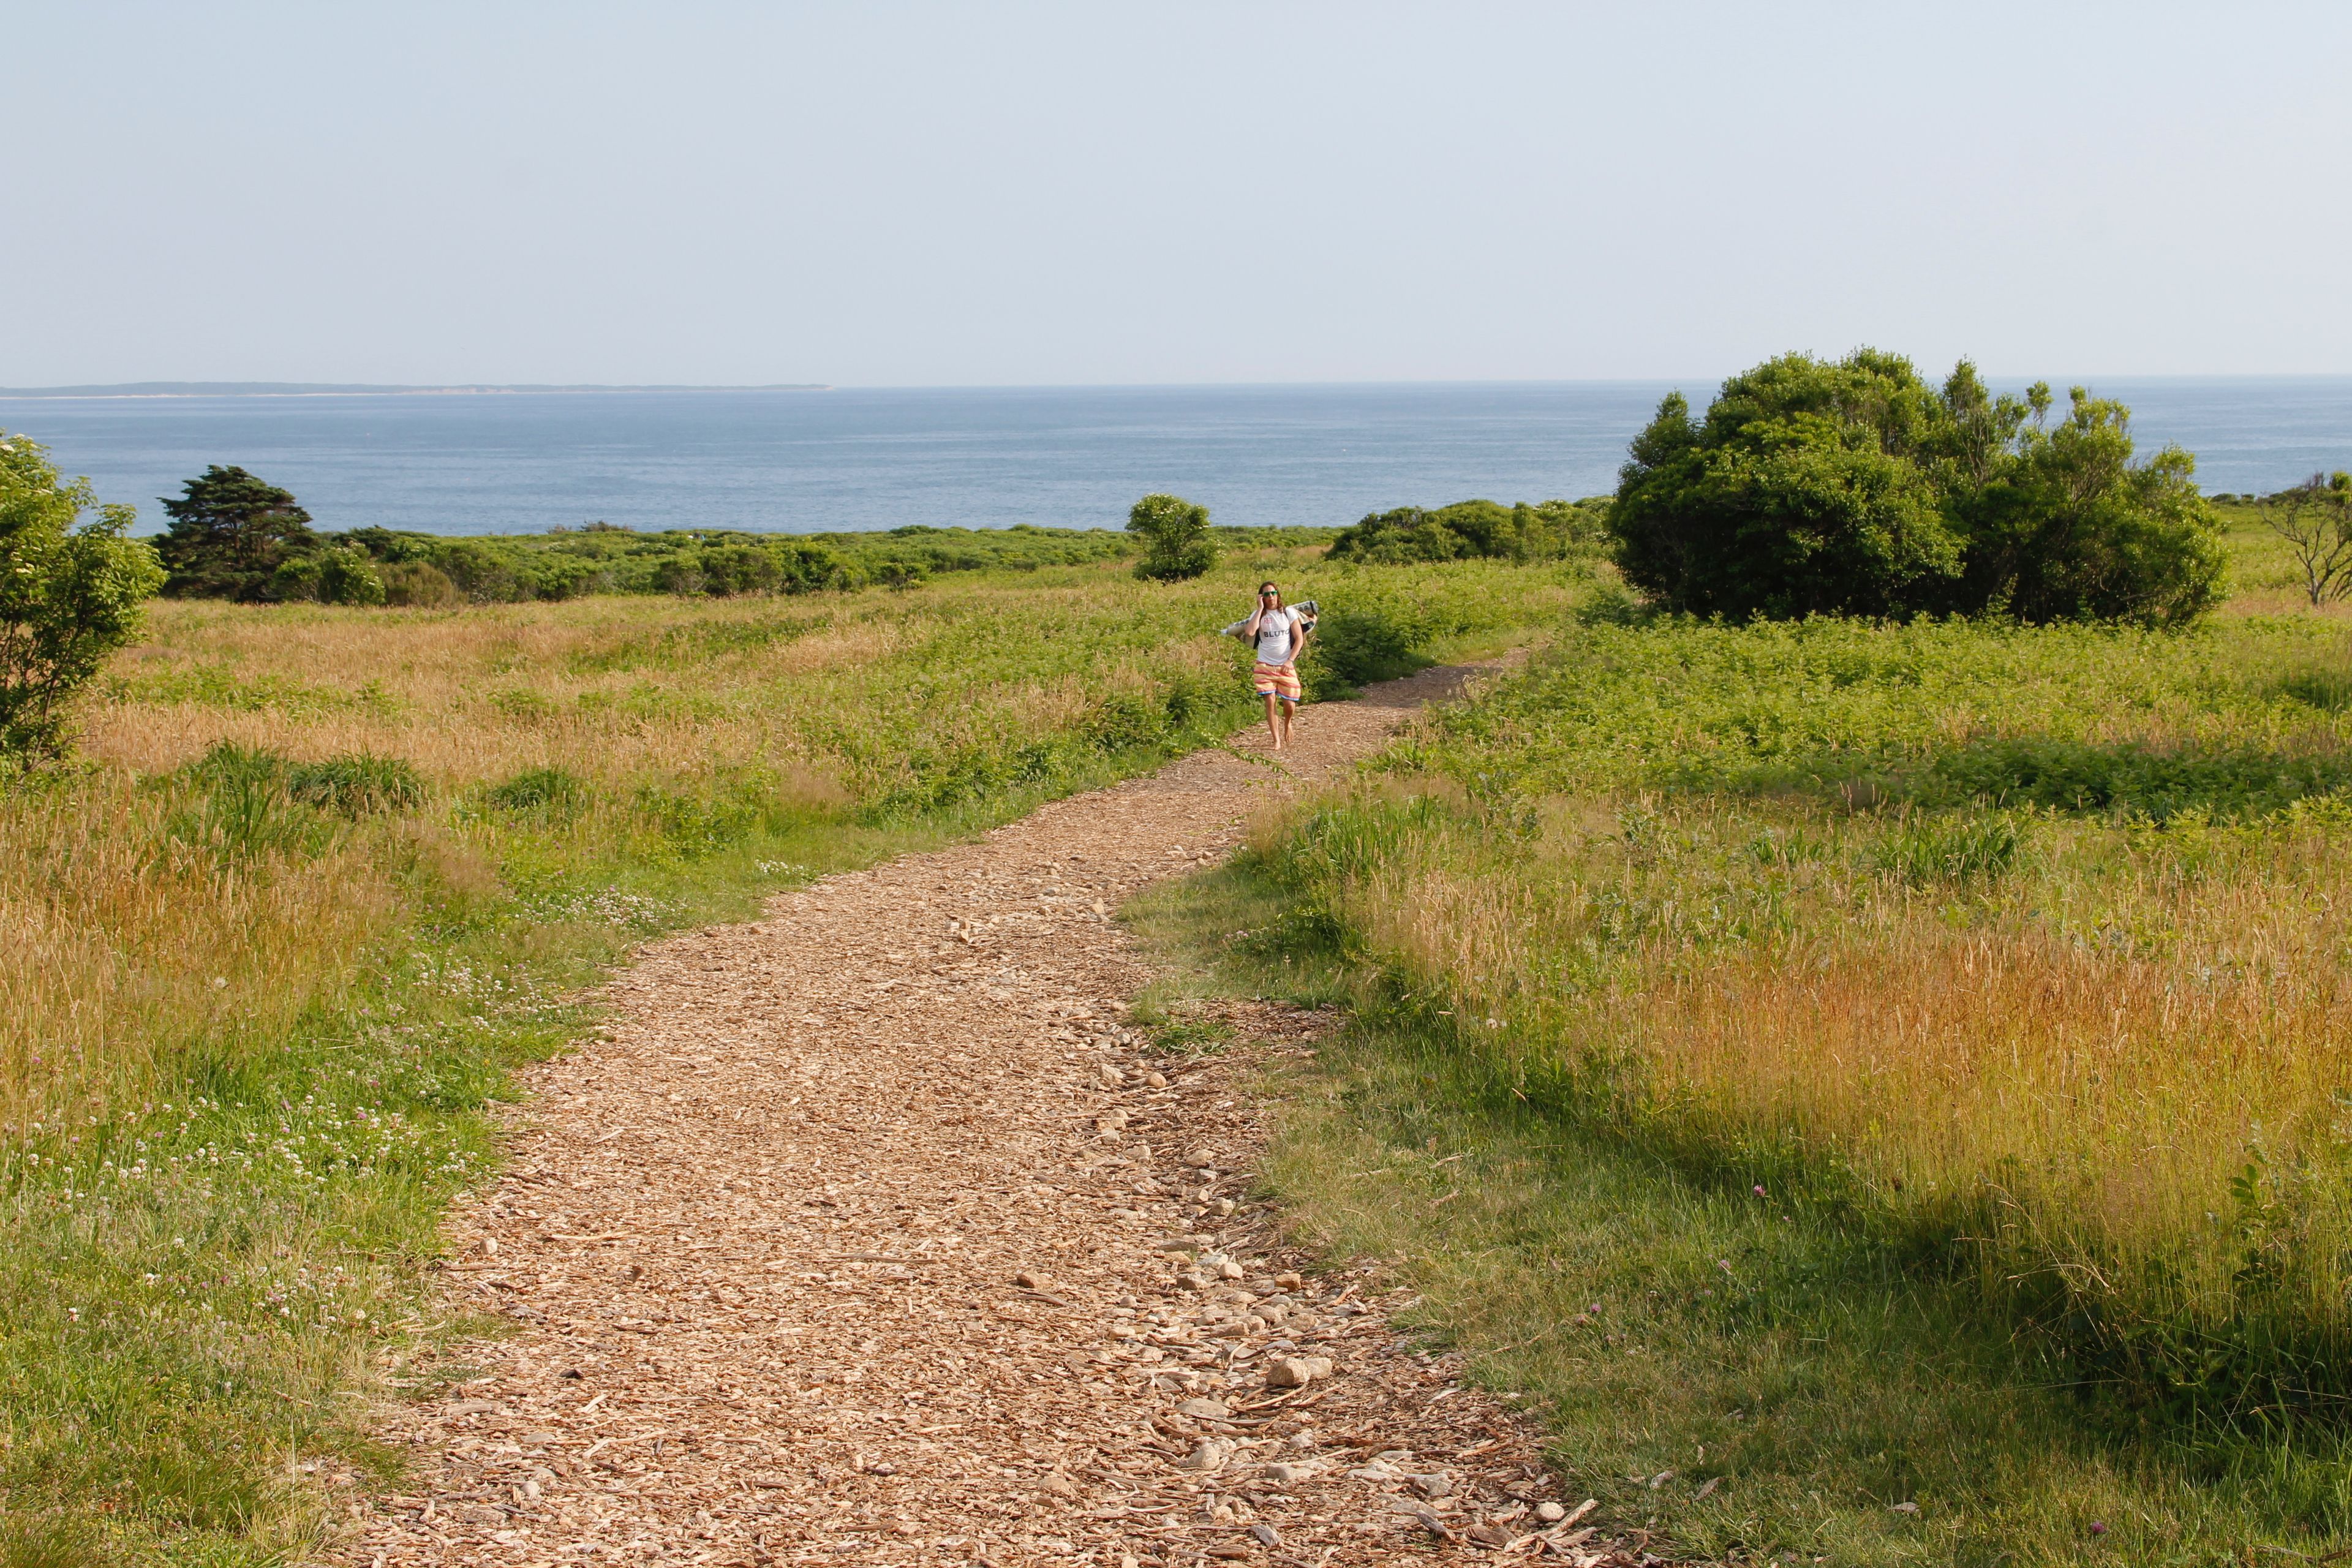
{"x":1750,"y":1381}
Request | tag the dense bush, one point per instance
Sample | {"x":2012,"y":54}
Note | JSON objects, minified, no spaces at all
{"x":418,"y":582}
{"x":1176,"y":541}
{"x":1546,"y":531}
{"x":70,"y":593}
{"x":1357,"y":647}
{"x":1855,"y":488}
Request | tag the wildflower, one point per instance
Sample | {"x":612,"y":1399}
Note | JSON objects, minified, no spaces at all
{"x":1759,"y":1189}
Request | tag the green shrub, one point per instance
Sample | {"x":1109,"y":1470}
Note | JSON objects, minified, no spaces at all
{"x":248,"y":782}
{"x":356,"y":785}
{"x":2134,"y":779}
{"x":241,"y":808}
{"x":69,"y":595}
{"x":1926,"y":851}
{"x":741,"y":569}
{"x":1177,"y":543}
{"x":348,"y":577}
{"x":1357,"y":647}
{"x":1471,"y":528}
{"x":696,"y":824}
{"x":1853,"y":488}
{"x":551,"y":790}
{"x":481,"y":574}
{"x":420,"y":584}
{"x":1124,"y":722}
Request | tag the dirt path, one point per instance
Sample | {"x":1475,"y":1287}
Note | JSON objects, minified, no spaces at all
{"x":865,"y":1234}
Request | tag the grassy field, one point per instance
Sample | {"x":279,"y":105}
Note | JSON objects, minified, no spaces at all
{"x":321,"y":878}
{"x":1896,"y":1073}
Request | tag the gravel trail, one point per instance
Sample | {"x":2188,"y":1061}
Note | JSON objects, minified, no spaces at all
{"x":866,"y":1233}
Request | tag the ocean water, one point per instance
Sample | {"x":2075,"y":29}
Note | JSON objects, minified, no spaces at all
{"x":803,"y":461}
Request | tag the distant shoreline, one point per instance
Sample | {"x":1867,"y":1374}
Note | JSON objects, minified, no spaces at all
{"x":159,"y":389}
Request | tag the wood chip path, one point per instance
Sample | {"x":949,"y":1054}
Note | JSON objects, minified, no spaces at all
{"x":866,"y":1233}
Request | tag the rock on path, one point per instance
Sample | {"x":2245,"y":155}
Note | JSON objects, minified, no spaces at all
{"x":865,"y":1233}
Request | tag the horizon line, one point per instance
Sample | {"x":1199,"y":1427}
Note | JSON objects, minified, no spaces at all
{"x":164,"y":390}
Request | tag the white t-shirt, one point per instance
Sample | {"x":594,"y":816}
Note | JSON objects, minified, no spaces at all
{"x":1276,"y":635}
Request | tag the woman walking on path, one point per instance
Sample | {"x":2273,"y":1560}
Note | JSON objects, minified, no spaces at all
{"x":1280,"y":632}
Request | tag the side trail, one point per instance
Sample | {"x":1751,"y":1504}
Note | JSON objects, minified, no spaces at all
{"x":867,"y":1233}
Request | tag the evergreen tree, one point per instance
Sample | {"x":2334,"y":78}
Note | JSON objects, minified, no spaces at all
{"x":230,"y":534}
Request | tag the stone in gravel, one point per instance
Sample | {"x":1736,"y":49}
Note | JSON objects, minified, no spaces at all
{"x":1433,"y":1486}
{"x":1205,"y":1410}
{"x":1297,"y":1370}
{"x":1431,"y":1523}
{"x":1029,"y":1280}
{"x":1550,"y":1512}
{"x":1194,"y":1282}
{"x":1266,"y":1535}
{"x":1290,"y":1475}
{"x":1209,"y":1453}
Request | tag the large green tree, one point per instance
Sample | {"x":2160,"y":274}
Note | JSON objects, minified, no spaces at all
{"x":71,"y":593}
{"x":230,"y":534}
{"x":1853,"y":487}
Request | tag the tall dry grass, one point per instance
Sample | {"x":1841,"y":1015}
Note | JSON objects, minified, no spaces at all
{"x":128,"y":948}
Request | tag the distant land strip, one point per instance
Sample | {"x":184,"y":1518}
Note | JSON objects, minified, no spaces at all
{"x":333,"y":389}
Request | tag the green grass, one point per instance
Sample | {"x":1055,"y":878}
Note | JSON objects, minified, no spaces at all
{"x":1799,"y":1379}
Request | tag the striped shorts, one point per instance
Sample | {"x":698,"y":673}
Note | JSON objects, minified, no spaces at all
{"x":1279,"y":680}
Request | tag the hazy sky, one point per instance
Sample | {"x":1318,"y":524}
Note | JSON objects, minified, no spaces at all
{"x":895,"y":195}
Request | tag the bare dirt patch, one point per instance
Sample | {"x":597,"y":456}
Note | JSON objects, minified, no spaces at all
{"x":869,"y":1232}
